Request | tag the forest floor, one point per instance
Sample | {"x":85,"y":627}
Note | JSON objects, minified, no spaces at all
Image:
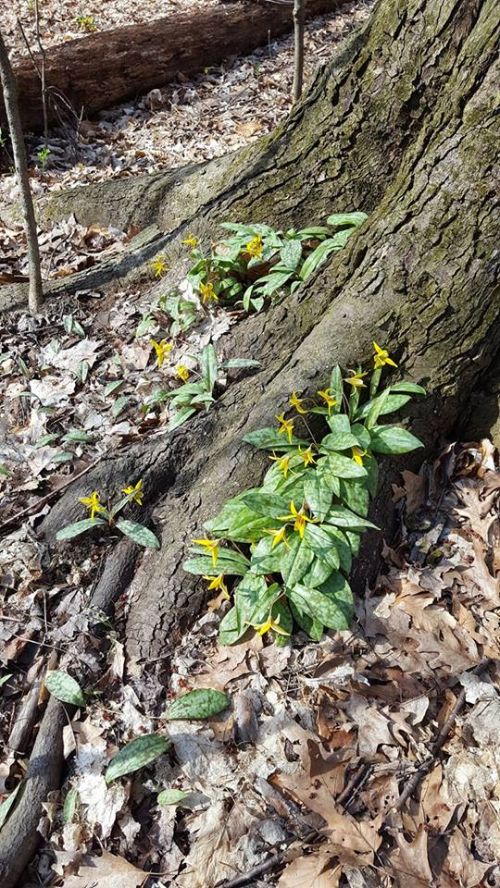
{"x":298,"y":783}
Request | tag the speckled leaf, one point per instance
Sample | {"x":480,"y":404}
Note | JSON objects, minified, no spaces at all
{"x":200,"y":703}
{"x":137,"y":754}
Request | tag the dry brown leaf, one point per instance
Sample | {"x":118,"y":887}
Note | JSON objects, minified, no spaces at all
{"x":107,"y":871}
{"x":410,"y":862}
{"x":312,"y":870}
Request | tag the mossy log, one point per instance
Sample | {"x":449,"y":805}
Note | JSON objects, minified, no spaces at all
{"x":107,"y":67}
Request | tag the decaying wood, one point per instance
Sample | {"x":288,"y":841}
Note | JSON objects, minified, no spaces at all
{"x":105,"y":68}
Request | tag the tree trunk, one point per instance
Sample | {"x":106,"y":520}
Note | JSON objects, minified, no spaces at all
{"x":298,"y":53}
{"x":10,"y":95}
{"x":401,"y":125}
{"x":105,"y":68}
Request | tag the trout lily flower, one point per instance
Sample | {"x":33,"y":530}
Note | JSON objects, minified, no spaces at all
{"x":93,"y":503}
{"x":162,"y":349}
{"x":182,"y":372}
{"x":211,"y":547}
{"x":283,"y":463}
{"x":327,"y":397}
{"x":286,"y":427}
{"x":135,"y":492}
{"x":307,"y":456}
{"x":217,"y":583}
{"x":279,"y":536}
{"x":208,"y":293}
{"x":269,"y":624}
{"x":356,"y":379}
{"x":159,"y":266}
{"x":190,"y":241}
{"x":381,"y":357}
{"x":297,"y":402}
{"x":358,"y":454}
{"x":300,"y":520}
{"x":255,"y":247}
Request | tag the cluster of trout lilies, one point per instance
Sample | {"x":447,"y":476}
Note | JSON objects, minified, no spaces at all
{"x":305,"y":520}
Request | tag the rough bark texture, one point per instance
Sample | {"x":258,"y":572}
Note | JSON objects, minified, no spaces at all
{"x":105,"y":68}
{"x":403,"y":126}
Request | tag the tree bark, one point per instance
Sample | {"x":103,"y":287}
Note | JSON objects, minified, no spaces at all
{"x":108,"y":67}
{"x":11,"y":101}
{"x":402,"y":125}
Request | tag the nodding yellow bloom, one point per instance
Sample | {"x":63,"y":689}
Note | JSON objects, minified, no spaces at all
{"x":381,"y":357}
{"x":262,"y":628}
{"x":159,"y":266}
{"x":297,"y":402}
{"x":286,"y":427}
{"x":211,"y":546}
{"x":299,"y":520}
{"x":93,"y":503}
{"x":255,"y":247}
{"x":190,"y":241}
{"x":162,"y":349}
{"x":327,"y":397}
{"x":279,"y":536}
{"x":283,"y":463}
{"x":182,"y":372}
{"x":307,"y":456}
{"x":208,"y":293}
{"x":217,"y":583}
{"x":356,"y":379}
{"x":358,"y":454}
{"x":135,"y":491}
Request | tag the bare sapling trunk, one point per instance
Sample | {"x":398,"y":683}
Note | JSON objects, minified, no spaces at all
{"x":298,"y":56}
{"x":16,"y":134}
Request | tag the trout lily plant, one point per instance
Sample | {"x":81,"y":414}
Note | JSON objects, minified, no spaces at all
{"x":101,"y":515}
{"x":255,"y":262}
{"x":288,"y":545}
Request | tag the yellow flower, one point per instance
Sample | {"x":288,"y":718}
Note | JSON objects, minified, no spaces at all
{"x":182,"y":372}
{"x":208,"y":293}
{"x":308,"y":456}
{"x":159,"y":266}
{"x":93,"y":503}
{"x":212,"y":547}
{"x":358,"y":454}
{"x":190,"y":241}
{"x":297,"y":402}
{"x":135,"y":491}
{"x":356,"y":379}
{"x":283,"y":463}
{"x":162,"y":349}
{"x":255,"y":247}
{"x":262,"y":628}
{"x":286,"y":427}
{"x":279,"y":536}
{"x":217,"y":583}
{"x":300,"y":520}
{"x":381,"y":357}
{"x":327,"y":397}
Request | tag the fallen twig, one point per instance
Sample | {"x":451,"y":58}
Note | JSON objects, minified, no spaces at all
{"x":438,"y":743}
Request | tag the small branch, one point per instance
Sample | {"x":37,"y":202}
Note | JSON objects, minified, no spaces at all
{"x":11,"y":102}
{"x":42,"y":76}
{"x":438,"y":742}
{"x":298,"y":59}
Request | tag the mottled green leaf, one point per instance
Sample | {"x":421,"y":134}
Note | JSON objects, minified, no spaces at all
{"x":393,"y":440}
{"x":64,"y":688}
{"x":200,"y":703}
{"x":138,"y":533}
{"x":135,"y":755}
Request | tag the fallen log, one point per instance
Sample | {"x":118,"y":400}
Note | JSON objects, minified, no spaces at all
{"x":108,"y":67}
